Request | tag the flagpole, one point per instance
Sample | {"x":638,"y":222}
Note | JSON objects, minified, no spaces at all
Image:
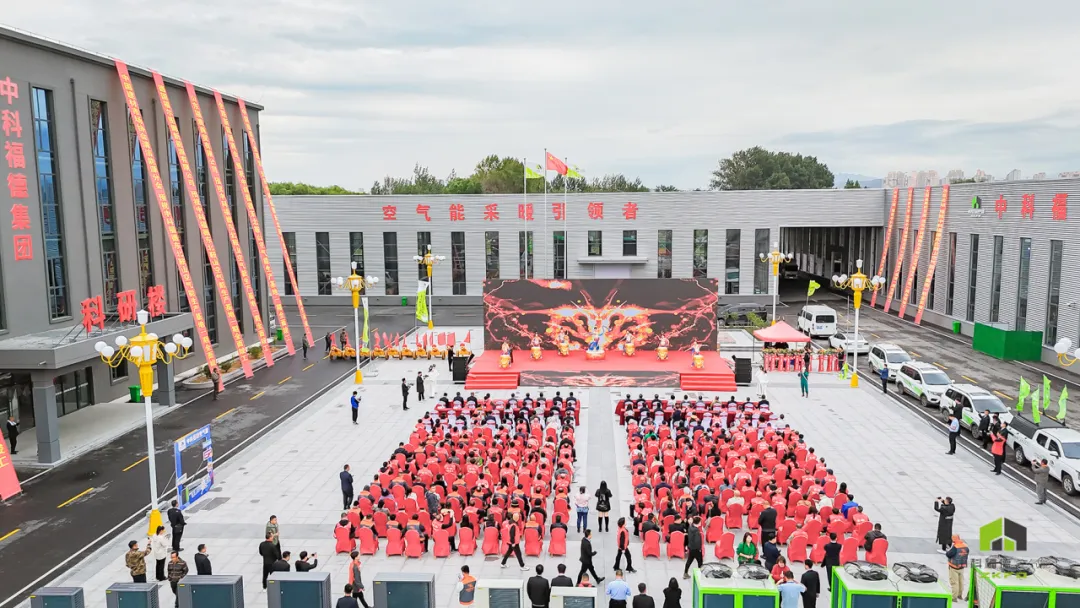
{"x":525,"y":215}
{"x":566,"y":180}
{"x":545,"y":192}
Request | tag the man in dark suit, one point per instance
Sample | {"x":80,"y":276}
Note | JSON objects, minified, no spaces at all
{"x":642,"y":599}
{"x":176,"y":519}
{"x":404,"y":394}
{"x":268,"y":549}
{"x":303,"y":565}
{"x":832,"y":558}
{"x":984,"y":428}
{"x":282,"y":563}
{"x":812,"y":582}
{"x":562,"y":580}
{"x":13,"y":434}
{"x":767,"y":522}
{"x":202,"y":562}
{"x":346,"y":487}
{"x":586,"y":558}
{"x":419,"y":386}
{"x":538,"y":589}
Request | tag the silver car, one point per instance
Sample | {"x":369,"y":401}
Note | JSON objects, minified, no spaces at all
{"x":846,"y":341}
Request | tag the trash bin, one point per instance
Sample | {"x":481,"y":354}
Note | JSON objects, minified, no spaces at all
{"x":404,"y":300}
{"x":280,"y":335}
{"x":956,"y":327}
{"x":135,"y":392}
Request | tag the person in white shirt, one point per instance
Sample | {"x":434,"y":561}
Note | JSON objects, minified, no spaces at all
{"x":581,"y":504}
{"x":763,"y":382}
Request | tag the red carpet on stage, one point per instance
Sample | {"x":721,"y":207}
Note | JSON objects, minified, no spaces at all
{"x":643,"y":369}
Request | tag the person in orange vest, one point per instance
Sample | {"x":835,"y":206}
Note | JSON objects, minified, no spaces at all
{"x":957,"y":555}
{"x":466,"y":587}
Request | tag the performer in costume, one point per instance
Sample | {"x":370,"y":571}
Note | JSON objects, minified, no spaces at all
{"x":662,"y":349}
{"x":534,"y":348}
{"x":697,"y":361}
{"x":507,"y":355}
{"x":627,"y":345}
{"x":564,"y":344}
{"x":596,"y":348}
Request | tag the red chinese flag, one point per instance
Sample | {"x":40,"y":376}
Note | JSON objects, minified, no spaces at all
{"x":442,"y":339}
{"x":468,"y":338}
{"x":452,"y":339}
{"x":385,"y":340}
{"x":376,"y":334}
{"x":425,"y":341}
{"x":556,"y":165}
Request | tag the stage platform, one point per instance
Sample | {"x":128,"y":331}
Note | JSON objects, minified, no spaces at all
{"x":643,"y":369}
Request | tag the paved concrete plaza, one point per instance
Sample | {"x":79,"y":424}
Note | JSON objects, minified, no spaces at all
{"x":894,"y":463}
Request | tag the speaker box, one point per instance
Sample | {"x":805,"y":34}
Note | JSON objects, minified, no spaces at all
{"x":223,"y":591}
{"x":404,"y":590}
{"x":298,"y":590}
{"x":744,"y":371}
{"x":132,"y":595}
{"x":57,"y":597}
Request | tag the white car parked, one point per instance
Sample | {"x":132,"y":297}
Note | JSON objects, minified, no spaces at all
{"x":846,"y":341}
{"x":968,"y":402}
{"x":888,"y":356}
{"x":922,"y":381}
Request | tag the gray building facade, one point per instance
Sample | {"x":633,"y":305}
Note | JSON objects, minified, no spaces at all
{"x":81,"y":220}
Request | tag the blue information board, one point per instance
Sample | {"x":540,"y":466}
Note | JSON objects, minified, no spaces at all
{"x":194,"y":455}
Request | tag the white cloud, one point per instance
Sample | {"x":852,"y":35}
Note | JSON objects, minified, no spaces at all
{"x":357,"y":90}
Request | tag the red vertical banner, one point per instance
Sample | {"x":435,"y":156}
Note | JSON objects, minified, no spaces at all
{"x":900,"y":249}
{"x":204,"y":227}
{"x":230,"y":225}
{"x":9,"y":479}
{"x":888,"y":240}
{"x":277,"y":227}
{"x":253,"y":221}
{"x":944,"y":208}
{"x":165,"y":207}
{"x":916,"y":252}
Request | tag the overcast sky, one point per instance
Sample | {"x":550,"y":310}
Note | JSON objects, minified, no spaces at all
{"x":356,"y":89}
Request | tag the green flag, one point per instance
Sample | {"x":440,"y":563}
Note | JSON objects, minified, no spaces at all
{"x":531,"y":173}
{"x":1035,"y":417}
{"x":812,"y":288}
{"x":1025,"y":390}
{"x":1061,"y":403}
{"x":421,"y":302}
{"x":574,"y":172}
{"x":365,"y":336}
{"x":1046,"y":393}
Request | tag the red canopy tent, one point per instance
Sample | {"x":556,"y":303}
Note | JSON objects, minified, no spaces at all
{"x":781,"y":332}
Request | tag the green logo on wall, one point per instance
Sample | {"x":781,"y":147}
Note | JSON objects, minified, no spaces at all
{"x":1003,"y":535}
{"x":976,"y":202}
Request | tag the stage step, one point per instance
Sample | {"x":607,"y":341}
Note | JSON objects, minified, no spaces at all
{"x":704,"y":381}
{"x":480,"y":380}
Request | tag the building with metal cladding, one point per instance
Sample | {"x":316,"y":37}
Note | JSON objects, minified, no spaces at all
{"x":1003,"y":256}
{"x":81,"y":220}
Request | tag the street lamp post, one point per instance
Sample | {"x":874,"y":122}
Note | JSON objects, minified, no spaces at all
{"x":1062,"y":349}
{"x":356,"y":284}
{"x":143,"y":351}
{"x":775,"y":258}
{"x":430,"y":261}
{"x":857,"y":283}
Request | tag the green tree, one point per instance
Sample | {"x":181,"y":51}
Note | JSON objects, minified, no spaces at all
{"x":851,"y":184}
{"x":970,"y":180}
{"x":421,"y":182}
{"x":290,"y":188}
{"x":760,"y":169}
{"x":666,"y":188}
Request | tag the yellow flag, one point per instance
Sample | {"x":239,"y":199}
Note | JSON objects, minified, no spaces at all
{"x":812,"y":288}
{"x":531,"y":173}
{"x":573,"y":172}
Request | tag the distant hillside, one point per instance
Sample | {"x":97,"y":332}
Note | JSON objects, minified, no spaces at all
{"x":864,"y":180}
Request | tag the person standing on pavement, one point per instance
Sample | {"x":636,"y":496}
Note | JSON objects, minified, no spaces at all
{"x":603,"y":507}
{"x":272,"y":528}
{"x":354,"y":403}
{"x":450,"y":358}
{"x":328,"y":341}
{"x":538,"y":589}
{"x":812,"y":582}
{"x":270,"y":554}
{"x":419,"y":386}
{"x":404,"y":394}
{"x":957,"y":555}
{"x":355,"y":580}
{"x":13,"y":434}
{"x":693,"y":546}
{"x":203,"y":567}
{"x":642,"y":599}
{"x":347,"y":600}
{"x":346,"y":487}
{"x":954,"y":432}
{"x":176,"y":520}
{"x":622,"y":545}
{"x":160,"y":544}
{"x":804,"y":382}
{"x":998,"y":447}
{"x":562,"y":580}
{"x":135,"y":560}
{"x":984,"y":428}
{"x":178,"y":569}
{"x":946,"y":510}
{"x":790,"y":591}
{"x":832,"y":557}
{"x":618,"y":592}
{"x":883,"y":373}
{"x":466,"y":587}
{"x":306,"y":562}
{"x":763,"y":382}
{"x":672,"y":594}
{"x":215,"y":377}
{"x":1042,"y":478}
{"x":513,"y":543}
{"x":304,"y":345}
{"x":581,"y":505}
{"x":585,"y":558}
{"x":806,"y":359}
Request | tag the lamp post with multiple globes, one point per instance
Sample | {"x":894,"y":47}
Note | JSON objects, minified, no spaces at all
{"x":430,"y":261}
{"x":356,"y":284}
{"x":1062,"y":348}
{"x":143,"y":351}
{"x":857,"y":283}
{"x":775,"y":258}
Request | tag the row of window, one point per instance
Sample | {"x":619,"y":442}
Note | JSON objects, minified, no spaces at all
{"x":526,"y":268}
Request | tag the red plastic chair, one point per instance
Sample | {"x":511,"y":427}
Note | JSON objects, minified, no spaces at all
{"x":651,"y":546}
{"x":861,"y":530}
{"x":849,"y":550}
{"x":752,"y":519}
{"x":784,"y":530}
{"x":466,"y":541}
{"x":379,"y":520}
{"x":414,"y":547}
{"x":838,"y":527}
{"x":442,"y":543}
{"x":813,"y":529}
{"x":838,"y":501}
{"x":818,"y":553}
{"x":877,"y":552}
{"x":369,"y":543}
{"x":490,"y":545}
{"x":725,"y":548}
{"x":830,"y":489}
{"x":676,"y":547}
{"x":715,"y":529}
{"x":733,"y":517}
{"x":557,"y":544}
{"x":533,"y":546}
{"x":796,"y":549}
{"x":344,"y":543}
{"x":394,"y":544}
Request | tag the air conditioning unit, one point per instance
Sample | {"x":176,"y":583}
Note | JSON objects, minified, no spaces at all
{"x":754,"y":572}
{"x":132,"y":595}
{"x":1060,"y":565}
{"x":716,"y":570}
{"x":404,"y":589}
{"x":916,"y":573}
{"x":57,"y":597}
{"x":226,"y":591}
{"x":298,"y":590}
{"x":497,"y":593}
{"x":574,"y":597}
{"x":866,"y":571}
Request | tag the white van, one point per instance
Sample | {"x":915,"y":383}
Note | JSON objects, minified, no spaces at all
{"x":817,"y":321}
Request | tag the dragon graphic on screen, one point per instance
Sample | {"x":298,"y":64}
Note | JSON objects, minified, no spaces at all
{"x":604,"y":311}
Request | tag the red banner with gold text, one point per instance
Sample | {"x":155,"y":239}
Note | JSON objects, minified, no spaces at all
{"x":944,"y":208}
{"x":253,"y":220}
{"x":230,"y":225}
{"x":165,"y":207}
{"x":888,"y":239}
{"x":204,"y":227}
{"x":9,"y":479}
{"x":900,"y":247}
{"x":277,"y":227}
{"x":915,"y":253}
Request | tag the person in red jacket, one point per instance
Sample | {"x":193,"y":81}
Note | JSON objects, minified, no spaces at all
{"x":622,"y":536}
